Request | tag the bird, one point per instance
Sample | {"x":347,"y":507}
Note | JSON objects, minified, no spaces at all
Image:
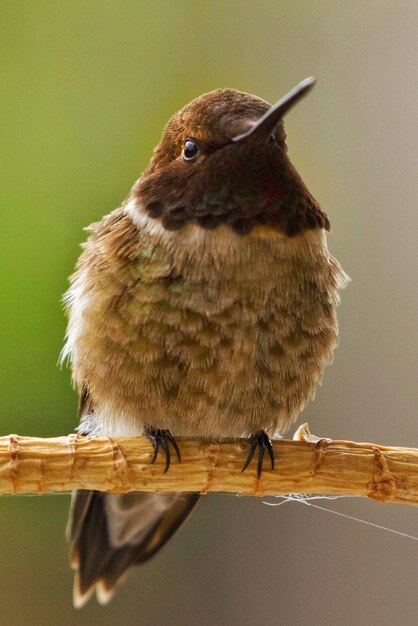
{"x":204,"y":306}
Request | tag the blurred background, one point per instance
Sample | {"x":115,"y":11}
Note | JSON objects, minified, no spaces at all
{"x":86,"y":88}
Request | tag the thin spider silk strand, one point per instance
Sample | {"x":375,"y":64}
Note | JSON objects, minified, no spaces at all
{"x":307,"y":498}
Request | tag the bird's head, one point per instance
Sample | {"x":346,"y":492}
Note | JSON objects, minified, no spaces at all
{"x":223,"y":159}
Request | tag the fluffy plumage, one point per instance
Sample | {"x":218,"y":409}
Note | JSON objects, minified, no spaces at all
{"x":213,"y":327}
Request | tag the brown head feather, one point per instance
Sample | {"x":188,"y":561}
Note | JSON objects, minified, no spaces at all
{"x":236,"y":183}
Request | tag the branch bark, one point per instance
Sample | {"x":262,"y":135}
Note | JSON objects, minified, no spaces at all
{"x":119,"y":465}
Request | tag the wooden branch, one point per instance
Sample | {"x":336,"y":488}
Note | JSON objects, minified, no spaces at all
{"x":119,"y":465}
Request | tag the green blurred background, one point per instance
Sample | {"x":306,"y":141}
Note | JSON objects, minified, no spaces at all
{"x":86,"y":87}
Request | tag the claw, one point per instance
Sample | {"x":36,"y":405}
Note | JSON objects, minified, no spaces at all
{"x":159,"y":437}
{"x":262,"y":440}
{"x":153,"y":439}
{"x":270,"y":450}
{"x":260,"y":461}
{"x":166,"y":452}
{"x":173,"y":443}
{"x":251,"y":452}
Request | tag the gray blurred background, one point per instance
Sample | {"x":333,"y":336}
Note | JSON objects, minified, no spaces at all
{"x":86,"y":88}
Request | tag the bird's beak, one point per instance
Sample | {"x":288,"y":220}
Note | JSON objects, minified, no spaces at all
{"x":268,"y":122}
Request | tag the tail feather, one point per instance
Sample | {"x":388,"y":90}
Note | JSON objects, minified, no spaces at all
{"x":111,"y":533}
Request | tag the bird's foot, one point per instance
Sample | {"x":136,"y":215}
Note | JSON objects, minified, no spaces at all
{"x":263,"y":441}
{"x":159,"y":437}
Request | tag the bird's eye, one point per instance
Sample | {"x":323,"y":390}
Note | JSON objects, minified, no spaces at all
{"x":190,"y":150}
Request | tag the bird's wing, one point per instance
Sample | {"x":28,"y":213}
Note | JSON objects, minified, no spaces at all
{"x":110,"y":533}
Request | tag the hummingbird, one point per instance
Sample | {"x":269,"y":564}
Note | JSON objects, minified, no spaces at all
{"x":204,"y":306}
